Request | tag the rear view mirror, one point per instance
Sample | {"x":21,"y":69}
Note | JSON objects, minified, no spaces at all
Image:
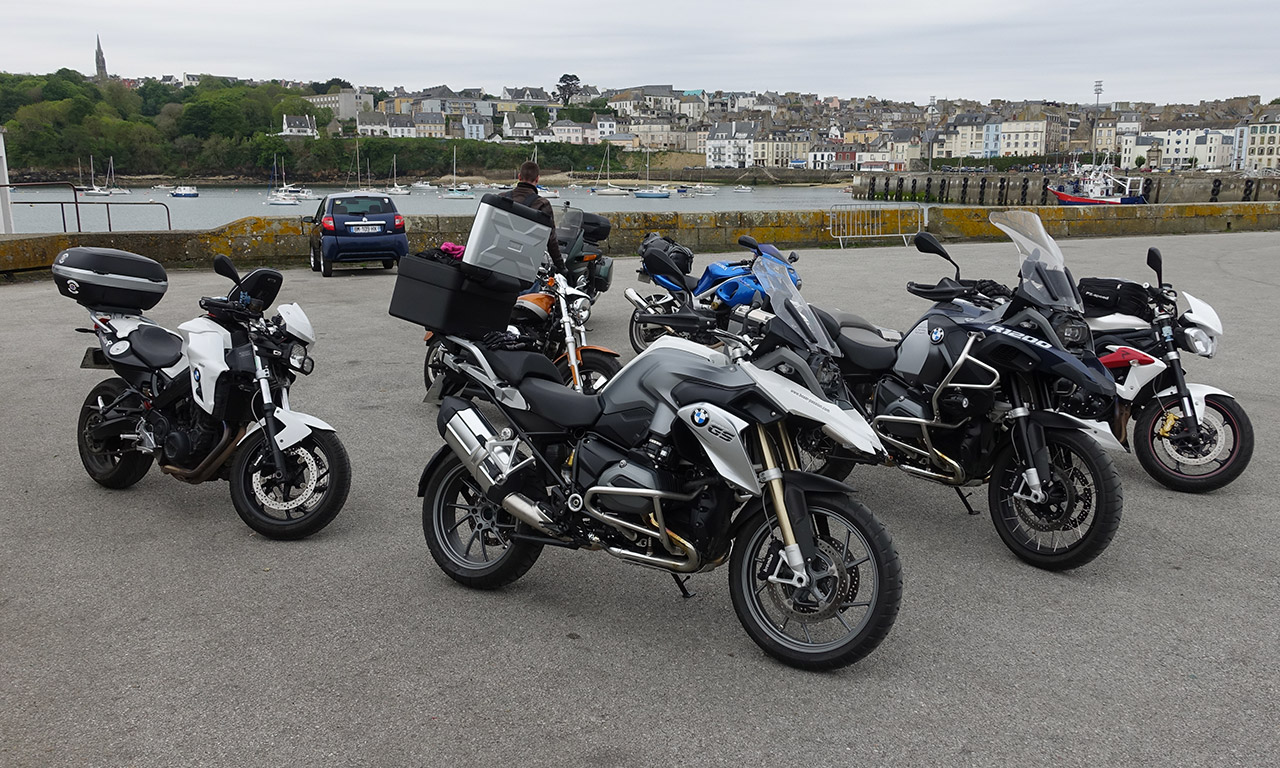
{"x":223,"y":266}
{"x":927,"y":243}
{"x":1156,"y":263}
{"x":308,"y":219}
{"x":793,"y":258}
{"x":747,"y":241}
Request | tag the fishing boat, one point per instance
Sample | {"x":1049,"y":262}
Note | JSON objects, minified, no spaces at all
{"x":162,"y":187}
{"x":458,"y":191}
{"x":742,"y":188}
{"x":184,"y":191}
{"x":1101,"y":188}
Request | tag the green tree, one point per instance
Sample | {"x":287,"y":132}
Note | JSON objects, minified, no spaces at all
{"x":1139,"y":161}
{"x":568,"y":87}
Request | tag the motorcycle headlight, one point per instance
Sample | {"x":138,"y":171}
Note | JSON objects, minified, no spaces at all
{"x":1197,"y":340}
{"x":1071,"y":330}
{"x":298,"y":359}
{"x":580,"y":308}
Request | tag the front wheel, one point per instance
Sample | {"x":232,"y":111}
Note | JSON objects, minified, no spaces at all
{"x":641,"y":335}
{"x":470,"y":537}
{"x":110,"y":461}
{"x":1081,"y":514}
{"x":849,"y":607}
{"x":306,"y":498}
{"x":595,"y":368}
{"x":1194,"y":464}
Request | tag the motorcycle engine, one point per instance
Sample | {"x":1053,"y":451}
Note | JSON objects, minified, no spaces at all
{"x":596,"y":463}
{"x":185,"y":446}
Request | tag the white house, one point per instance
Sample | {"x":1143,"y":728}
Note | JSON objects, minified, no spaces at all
{"x":567,"y":131}
{"x":372,"y":124}
{"x":732,"y":144}
{"x":516,"y":125}
{"x":401,"y":127}
{"x":300,"y":125}
{"x":477,"y":127}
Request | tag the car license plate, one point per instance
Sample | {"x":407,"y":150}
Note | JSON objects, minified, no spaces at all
{"x":364,"y":228}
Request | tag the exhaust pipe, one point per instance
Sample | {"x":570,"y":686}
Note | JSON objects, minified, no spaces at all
{"x":527,"y":511}
{"x":635,"y":298}
{"x":491,"y":459}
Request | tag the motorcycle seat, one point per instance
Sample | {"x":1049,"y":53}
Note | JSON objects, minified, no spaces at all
{"x":514,"y":366}
{"x":155,"y":346}
{"x":561,"y":405}
{"x":866,"y":349}
{"x":850,"y":320}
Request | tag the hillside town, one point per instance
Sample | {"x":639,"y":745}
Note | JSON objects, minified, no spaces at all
{"x":734,"y":129}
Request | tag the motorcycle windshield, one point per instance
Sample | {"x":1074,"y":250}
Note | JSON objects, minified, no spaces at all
{"x":1044,"y":272}
{"x":568,"y":223}
{"x":788,"y":305}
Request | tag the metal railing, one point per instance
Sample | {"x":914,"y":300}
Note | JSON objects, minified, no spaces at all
{"x":853,"y":221}
{"x":76,"y":204}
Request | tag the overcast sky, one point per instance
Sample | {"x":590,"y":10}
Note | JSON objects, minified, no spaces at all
{"x":1143,"y":50}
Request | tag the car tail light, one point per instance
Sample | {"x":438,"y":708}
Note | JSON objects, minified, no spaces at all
{"x":327,"y":223}
{"x":398,"y":223}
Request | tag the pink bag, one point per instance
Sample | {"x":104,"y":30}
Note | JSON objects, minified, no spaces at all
{"x":453,"y":249}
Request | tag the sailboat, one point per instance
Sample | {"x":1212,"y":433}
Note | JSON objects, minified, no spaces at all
{"x":396,"y":187}
{"x":651,"y":191}
{"x":93,"y":190}
{"x":456,"y":192}
{"x":112,"y":187}
{"x":278,"y":195}
{"x":609,"y":189}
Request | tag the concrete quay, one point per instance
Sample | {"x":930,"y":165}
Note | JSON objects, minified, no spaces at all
{"x":280,"y":241}
{"x":150,"y":627}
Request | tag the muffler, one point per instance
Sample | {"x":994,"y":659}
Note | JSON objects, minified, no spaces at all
{"x":493,"y":460}
{"x":635,"y":298}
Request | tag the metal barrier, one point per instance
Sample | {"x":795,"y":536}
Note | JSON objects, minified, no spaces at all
{"x":851,"y":221}
{"x":76,"y":203}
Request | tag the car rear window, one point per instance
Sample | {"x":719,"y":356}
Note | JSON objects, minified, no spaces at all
{"x":362,"y":206}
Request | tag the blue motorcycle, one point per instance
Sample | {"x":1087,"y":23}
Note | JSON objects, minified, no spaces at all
{"x":694,"y":307}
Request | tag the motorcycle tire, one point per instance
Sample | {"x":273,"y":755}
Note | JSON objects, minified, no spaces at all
{"x":1194,"y":466}
{"x":435,"y":348}
{"x":596,"y":368}
{"x":112,"y":463}
{"x":840,"y":618}
{"x":642,"y":335}
{"x":318,"y":480}
{"x":1085,"y":501}
{"x":453,"y":502}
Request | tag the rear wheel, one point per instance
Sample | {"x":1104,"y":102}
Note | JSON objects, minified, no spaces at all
{"x":641,"y":335}
{"x":1194,"y":465}
{"x":110,"y":461}
{"x":849,"y":607}
{"x":1081,"y":514}
{"x":430,"y":365}
{"x":316,"y":479}
{"x":314,"y":260}
{"x":388,"y":263}
{"x":595,"y":368}
{"x":469,"y":536}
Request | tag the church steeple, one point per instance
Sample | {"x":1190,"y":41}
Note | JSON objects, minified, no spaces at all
{"x":101,"y":60}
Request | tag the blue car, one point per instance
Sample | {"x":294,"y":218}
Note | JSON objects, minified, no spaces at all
{"x":356,"y":227}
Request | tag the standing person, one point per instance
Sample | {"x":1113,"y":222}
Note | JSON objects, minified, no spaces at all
{"x":526,"y":193}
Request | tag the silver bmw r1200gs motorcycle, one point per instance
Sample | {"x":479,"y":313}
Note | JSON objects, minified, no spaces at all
{"x":687,"y":459}
{"x":210,"y":403}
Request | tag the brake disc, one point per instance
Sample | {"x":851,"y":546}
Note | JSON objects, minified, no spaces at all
{"x":263,"y":485}
{"x":822,"y":598}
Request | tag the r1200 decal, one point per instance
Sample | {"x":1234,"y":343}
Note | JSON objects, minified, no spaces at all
{"x":1020,"y":336}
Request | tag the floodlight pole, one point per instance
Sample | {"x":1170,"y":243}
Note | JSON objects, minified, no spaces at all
{"x":6,"y":212}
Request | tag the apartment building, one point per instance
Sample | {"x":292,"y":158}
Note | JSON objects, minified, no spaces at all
{"x":731,"y":144}
{"x":346,"y":104}
{"x":568,"y":132}
{"x":1263,"y":136}
{"x":428,"y":125}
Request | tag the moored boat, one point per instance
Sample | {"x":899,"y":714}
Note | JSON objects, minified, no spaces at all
{"x":184,"y":191}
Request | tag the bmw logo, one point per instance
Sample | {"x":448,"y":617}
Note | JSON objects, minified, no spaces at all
{"x":700,"y":417}
{"x":936,"y":335}
{"x":195,"y":374}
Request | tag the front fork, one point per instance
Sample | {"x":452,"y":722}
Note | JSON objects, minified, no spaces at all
{"x":570,"y":340}
{"x":793,"y":552}
{"x":269,"y":413}
{"x":1174,"y":360}
{"x":1029,"y":443}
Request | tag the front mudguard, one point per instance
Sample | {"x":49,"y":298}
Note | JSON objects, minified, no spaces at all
{"x":604,"y":350}
{"x":1097,"y":430}
{"x":795,"y":484}
{"x":1198,"y":393}
{"x":297,"y":425}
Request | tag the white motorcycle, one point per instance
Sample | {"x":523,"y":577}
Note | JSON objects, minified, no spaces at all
{"x":211,"y":403}
{"x":1189,"y":437}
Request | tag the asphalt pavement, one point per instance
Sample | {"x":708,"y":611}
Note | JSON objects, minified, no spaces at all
{"x":150,"y":627}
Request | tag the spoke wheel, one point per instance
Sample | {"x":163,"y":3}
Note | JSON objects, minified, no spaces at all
{"x":470,"y":537}
{"x":1179,"y":461}
{"x":853,"y":598}
{"x":1082,"y":512}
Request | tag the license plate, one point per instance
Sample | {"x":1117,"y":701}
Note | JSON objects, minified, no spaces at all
{"x":363,"y":228}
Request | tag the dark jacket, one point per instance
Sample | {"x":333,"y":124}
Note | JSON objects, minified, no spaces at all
{"x":527,"y":194}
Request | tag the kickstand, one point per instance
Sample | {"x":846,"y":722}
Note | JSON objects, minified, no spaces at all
{"x":964,"y":499}
{"x":684,"y":591}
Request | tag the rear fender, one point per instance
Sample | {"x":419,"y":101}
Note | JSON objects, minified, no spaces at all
{"x":297,"y":425}
{"x":429,"y":470}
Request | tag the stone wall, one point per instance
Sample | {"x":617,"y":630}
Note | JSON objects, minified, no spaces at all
{"x":281,"y":241}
